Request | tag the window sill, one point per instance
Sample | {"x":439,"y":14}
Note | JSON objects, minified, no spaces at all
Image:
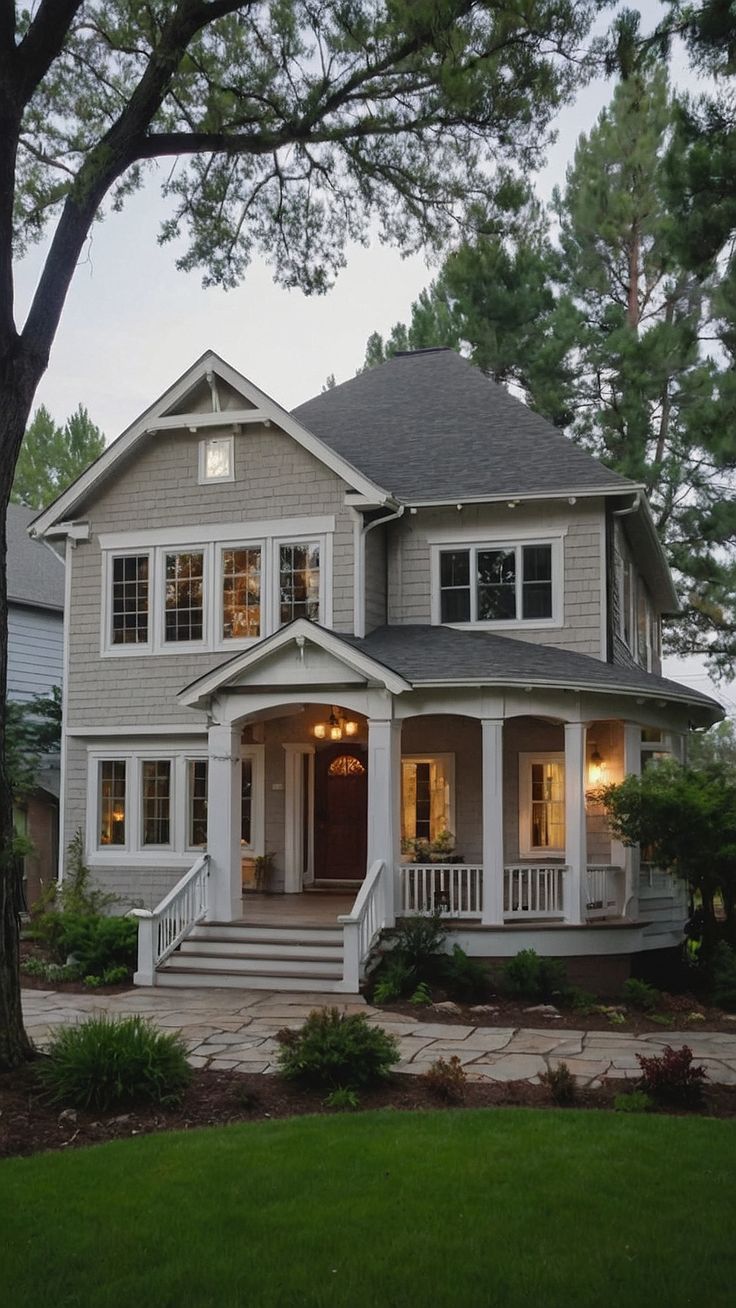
{"x":506,"y":624}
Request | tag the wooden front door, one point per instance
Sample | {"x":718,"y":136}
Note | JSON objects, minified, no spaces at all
{"x":341,"y":813}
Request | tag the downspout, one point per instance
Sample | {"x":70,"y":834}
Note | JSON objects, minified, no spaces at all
{"x":377,"y":522}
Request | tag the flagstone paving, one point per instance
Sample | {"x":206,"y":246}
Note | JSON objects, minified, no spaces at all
{"x":237,"y":1029}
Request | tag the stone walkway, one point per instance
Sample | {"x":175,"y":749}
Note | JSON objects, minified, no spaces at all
{"x":237,"y":1028}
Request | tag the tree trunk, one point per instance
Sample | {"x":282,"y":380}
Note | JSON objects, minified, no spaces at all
{"x":634,"y":274}
{"x":19,"y":377}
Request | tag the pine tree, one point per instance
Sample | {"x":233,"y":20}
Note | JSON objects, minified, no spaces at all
{"x":52,"y":457}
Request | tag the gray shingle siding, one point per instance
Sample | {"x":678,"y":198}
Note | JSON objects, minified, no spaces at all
{"x":376,"y":609}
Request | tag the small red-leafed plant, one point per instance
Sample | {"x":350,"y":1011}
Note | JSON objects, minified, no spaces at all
{"x":672,"y":1077}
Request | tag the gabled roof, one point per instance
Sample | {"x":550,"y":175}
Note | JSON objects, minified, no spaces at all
{"x":35,"y":571}
{"x":430,"y":427}
{"x":177,"y":408}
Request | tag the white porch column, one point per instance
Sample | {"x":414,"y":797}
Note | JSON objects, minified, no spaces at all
{"x":628,"y":856}
{"x":492,"y":792}
{"x":296,"y":857}
{"x":576,"y":834}
{"x":384,"y":803}
{"x":223,"y":823}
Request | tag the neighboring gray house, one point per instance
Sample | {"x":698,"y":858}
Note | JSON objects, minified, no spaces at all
{"x":35,"y":573}
{"x":390,"y":644}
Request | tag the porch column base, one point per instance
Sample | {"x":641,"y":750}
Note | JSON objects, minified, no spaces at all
{"x":492,"y":791}
{"x":223,"y":824}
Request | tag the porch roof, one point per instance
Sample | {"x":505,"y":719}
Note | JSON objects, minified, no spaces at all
{"x":433,"y":655}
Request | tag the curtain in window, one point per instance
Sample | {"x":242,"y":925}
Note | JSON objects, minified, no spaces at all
{"x":548,"y":805}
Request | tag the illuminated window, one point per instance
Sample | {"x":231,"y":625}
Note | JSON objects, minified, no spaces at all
{"x":130,"y":599}
{"x":346,"y":765}
{"x":299,"y":582}
{"x":156,"y":802}
{"x":112,"y":802}
{"x":184,"y":603}
{"x":427,"y":798}
{"x":542,"y":804}
{"x":241,"y":593}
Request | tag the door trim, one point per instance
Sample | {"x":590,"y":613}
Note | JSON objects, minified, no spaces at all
{"x":298,"y":862}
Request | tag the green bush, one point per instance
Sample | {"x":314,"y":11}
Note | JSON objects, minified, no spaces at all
{"x":635,"y":1101}
{"x":343,"y":1099}
{"x":581,"y":1001}
{"x":105,"y":1062}
{"x":723,"y":973}
{"x":395,"y":979}
{"x":466,"y":980}
{"x":51,"y":972}
{"x":95,"y":941}
{"x":641,"y":995}
{"x":527,"y":976}
{"x":421,"y":941}
{"x":336,"y":1050}
{"x":112,"y":976}
{"x":422,"y":995}
{"x":561,"y":1084}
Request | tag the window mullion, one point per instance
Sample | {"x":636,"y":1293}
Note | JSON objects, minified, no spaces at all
{"x":474,"y":583}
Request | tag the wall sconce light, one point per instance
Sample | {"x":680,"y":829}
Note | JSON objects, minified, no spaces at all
{"x":597,"y":768}
{"x":336,"y":726}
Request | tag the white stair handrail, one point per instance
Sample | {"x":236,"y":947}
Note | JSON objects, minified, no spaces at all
{"x":162,"y":929}
{"x":371,"y":912}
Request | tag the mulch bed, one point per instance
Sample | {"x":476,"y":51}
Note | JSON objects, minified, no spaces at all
{"x":29,"y":1124}
{"x":510,"y":1013}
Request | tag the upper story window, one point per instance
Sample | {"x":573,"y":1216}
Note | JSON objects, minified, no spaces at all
{"x":241,"y":593}
{"x":130,"y":599}
{"x":498,"y":583}
{"x":298,"y":582}
{"x":216,"y":460}
{"x":184,"y":597}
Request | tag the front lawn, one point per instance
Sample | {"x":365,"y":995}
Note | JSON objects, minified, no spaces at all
{"x":514,"y":1208}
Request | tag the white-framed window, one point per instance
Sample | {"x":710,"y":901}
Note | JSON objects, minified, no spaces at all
{"x":252,"y":800}
{"x":141,"y":805}
{"x":197,"y":774}
{"x":216,"y":460}
{"x":542,"y":805}
{"x":498,"y":584}
{"x":216,"y":595}
{"x":427,"y":798}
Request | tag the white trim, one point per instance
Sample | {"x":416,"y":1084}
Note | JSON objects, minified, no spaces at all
{"x":106,"y":642}
{"x":80,"y":489}
{"x":526,"y":759}
{"x":296,"y":857}
{"x":194,"y":422}
{"x":202,"y":476}
{"x":157,"y":603}
{"x":63,"y":759}
{"x":359,"y":595}
{"x":133,"y":853}
{"x":509,"y":542}
{"x":257,"y":756}
{"x":604,"y":589}
{"x":519,"y":497}
{"x":175,"y":729}
{"x":448,"y":763}
{"x":301,"y":630}
{"x":538,"y":534}
{"x":205,"y":533}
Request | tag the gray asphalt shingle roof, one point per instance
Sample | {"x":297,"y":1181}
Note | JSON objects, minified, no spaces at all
{"x":35,"y":571}
{"x":430,"y":426}
{"x":443,"y":654}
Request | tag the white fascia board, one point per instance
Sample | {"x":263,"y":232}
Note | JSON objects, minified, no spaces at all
{"x":271,"y":411}
{"x":599,"y":688}
{"x":356,"y":660}
{"x":520,"y":497}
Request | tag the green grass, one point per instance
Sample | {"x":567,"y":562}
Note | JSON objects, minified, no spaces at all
{"x":513,"y":1208}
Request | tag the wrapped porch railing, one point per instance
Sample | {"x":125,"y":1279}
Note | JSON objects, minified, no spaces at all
{"x":530,"y":890}
{"x":163,"y":928}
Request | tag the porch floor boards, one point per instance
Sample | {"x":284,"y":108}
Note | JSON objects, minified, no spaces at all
{"x":317,"y":908}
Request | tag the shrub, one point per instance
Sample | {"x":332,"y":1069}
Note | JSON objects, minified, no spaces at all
{"x":447,"y":1079}
{"x":395,"y":979}
{"x":582,"y":1001}
{"x":465,"y":979}
{"x":112,"y":976}
{"x":422,"y":994}
{"x":723,"y":973}
{"x":560,"y":1082}
{"x":641,"y":995}
{"x":636,"y":1101}
{"x":334,"y":1050}
{"x":671,"y":1077}
{"x":104,"y":1062}
{"x":51,"y":972}
{"x":342,"y":1098}
{"x":95,"y":942}
{"x":420,"y":941}
{"x":527,"y":976}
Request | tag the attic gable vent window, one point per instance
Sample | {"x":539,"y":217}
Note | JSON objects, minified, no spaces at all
{"x":216,"y":460}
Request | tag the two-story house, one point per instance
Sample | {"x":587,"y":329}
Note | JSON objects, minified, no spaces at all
{"x":388,"y":644}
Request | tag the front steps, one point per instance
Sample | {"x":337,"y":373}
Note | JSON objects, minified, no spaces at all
{"x":252,"y":957}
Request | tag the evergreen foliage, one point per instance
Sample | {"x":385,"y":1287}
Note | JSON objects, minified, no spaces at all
{"x":52,"y":457}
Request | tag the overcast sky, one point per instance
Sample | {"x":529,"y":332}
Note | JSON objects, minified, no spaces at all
{"x":132,"y":323}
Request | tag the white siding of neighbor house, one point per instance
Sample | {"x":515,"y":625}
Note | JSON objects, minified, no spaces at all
{"x":35,"y":644}
{"x":409,"y":563}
